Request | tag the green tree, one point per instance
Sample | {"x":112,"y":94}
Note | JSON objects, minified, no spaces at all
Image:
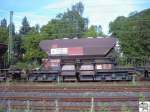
{"x":54,"y":29}
{"x":37,"y":28}
{"x":30,"y":44}
{"x":3,"y":35}
{"x":86,"y":22}
{"x":91,"y":32}
{"x":133,"y":33}
{"x":3,"y":31}
{"x":4,"y":23}
{"x":78,"y":7}
{"x":99,"y":31}
{"x":68,"y":24}
{"x":73,"y":24}
{"x":94,"y":31}
{"x":25,"y":26}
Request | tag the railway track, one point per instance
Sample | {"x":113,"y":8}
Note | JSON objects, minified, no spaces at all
{"x":78,"y":90}
{"x":46,"y":103}
{"x":75,"y":108}
{"x":72,"y":99}
{"x":65,"y":99}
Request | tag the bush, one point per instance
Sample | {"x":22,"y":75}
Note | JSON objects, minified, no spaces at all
{"x":27,"y":66}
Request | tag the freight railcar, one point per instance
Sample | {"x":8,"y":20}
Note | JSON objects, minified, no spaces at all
{"x":86,"y":59}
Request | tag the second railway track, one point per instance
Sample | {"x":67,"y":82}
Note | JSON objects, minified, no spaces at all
{"x":40,"y":98}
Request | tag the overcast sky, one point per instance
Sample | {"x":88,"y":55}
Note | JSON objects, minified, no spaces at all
{"x":99,"y":12}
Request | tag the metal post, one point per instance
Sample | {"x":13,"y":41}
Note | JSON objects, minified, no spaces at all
{"x":10,"y":41}
{"x":57,"y":107}
{"x":28,"y":106}
{"x":92,"y":105}
{"x":133,"y":80}
{"x":58,"y":79}
{"x":9,"y":107}
{"x":44,"y":107}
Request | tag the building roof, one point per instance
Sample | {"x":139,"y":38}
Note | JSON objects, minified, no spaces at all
{"x":88,"y":46}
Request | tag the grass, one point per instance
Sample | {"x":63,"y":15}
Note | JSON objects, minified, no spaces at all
{"x":141,"y":97}
{"x":124,"y":108}
{"x":2,"y":110}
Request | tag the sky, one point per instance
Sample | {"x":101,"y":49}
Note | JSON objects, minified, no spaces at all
{"x":99,"y":12}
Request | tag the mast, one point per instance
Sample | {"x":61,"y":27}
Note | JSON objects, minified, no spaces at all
{"x":10,"y":40}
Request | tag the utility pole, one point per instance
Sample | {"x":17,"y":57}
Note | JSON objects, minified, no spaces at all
{"x":10,"y":40}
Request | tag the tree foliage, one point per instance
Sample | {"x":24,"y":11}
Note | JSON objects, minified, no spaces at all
{"x":25,"y":26}
{"x":3,"y":31}
{"x":94,"y":31}
{"x":68,"y":24}
{"x":71,"y":24}
{"x":133,"y":33}
{"x":4,"y":23}
{"x":78,"y":7}
{"x":3,"y":35}
{"x":30,"y":44}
